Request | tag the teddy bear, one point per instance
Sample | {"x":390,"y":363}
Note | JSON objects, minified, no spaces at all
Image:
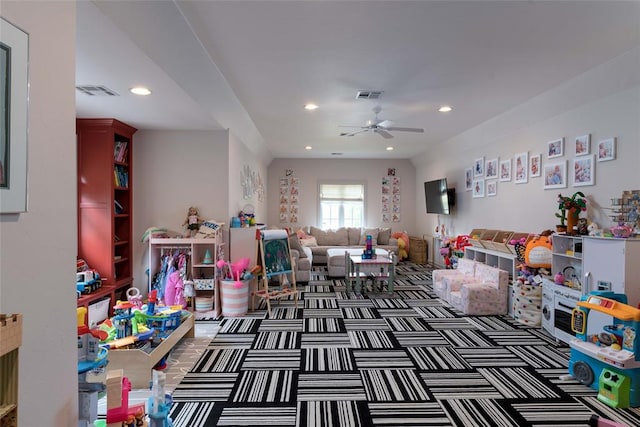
{"x":593,"y":229}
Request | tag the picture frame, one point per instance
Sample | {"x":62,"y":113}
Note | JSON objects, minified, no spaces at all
{"x":607,"y":150}
{"x":521,"y":168}
{"x":491,"y":169}
{"x":555,"y":175}
{"x":478,"y":188}
{"x":492,"y":188}
{"x":584,"y":172}
{"x":14,"y":56}
{"x":505,"y":170}
{"x":582,"y":145}
{"x":555,"y":148}
{"x":468,"y":179}
{"x":535,"y":166}
{"x":478,"y":168}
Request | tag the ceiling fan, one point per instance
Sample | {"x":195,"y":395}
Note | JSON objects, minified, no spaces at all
{"x":381,"y":127}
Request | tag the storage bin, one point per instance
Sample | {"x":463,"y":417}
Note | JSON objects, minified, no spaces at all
{"x":486,"y":240}
{"x":235,"y":300}
{"x":98,"y":312}
{"x":517,"y":236}
{"x":417,"y":250}
{"x":501,"y":240}
{"x":203,"y":284}
{"x":474,"y":237}
{"x":204,"y":304}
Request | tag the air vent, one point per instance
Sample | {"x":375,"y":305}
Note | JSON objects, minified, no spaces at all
{"x":93,"y":90}
{"x":368,"y":94}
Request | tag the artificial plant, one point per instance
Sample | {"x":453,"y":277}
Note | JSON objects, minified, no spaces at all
{"x":566,"y":203}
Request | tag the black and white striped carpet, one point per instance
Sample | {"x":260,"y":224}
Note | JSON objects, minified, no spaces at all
{"x":405,"y":359}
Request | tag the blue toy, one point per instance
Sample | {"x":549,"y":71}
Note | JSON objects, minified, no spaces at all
{"x":609,"y":360}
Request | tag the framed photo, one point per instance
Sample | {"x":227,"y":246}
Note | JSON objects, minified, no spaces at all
{"x":491,"y":169}
{"x":468,"y":179}
{"x":607,"y":150}
{"x":478,"y":188}
{"x":555,"y":175}
{"x":582,"y":145}
{"x":478,"y":167}
{"x":522,"y":167}
{"x":505,"y":170}
{"x":535,"y":162}
{"x":555,"y":148}
{"x":14,"y":48}
{"x":584,"y":172}
{"x":492,"y":188}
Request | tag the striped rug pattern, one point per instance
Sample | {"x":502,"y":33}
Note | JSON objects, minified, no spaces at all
{"x":379,"y":359}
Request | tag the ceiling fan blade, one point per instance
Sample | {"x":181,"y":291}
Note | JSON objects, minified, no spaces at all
{"x":352,"y":126}
{"x":383,"y":133}
{"x":394,"y":128}
{"x":352,"y":133}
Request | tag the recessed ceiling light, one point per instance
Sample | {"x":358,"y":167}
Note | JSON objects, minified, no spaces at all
{"x":445,"y":109}
{"x":310,"y":107}
{"x":389,"y":148}
{"x":139,"y":90}
{"x":308,"y":147}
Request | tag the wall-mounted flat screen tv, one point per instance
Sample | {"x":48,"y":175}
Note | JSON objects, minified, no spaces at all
{"x":438,"y":198}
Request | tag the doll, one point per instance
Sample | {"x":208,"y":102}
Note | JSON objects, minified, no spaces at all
{"x":193,"y":221}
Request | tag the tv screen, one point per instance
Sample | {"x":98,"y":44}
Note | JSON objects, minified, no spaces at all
{"x":438,"y":197}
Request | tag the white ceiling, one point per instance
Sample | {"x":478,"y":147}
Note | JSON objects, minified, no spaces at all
{"x":249,"y":66}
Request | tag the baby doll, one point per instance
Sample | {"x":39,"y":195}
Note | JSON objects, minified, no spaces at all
{"x":193,"y":221}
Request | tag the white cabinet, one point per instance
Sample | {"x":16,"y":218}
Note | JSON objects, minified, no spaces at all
{"x":243,"y":244}
{"x":612,"y":263}
{"x":501,"y":260}
{"x":567,"y":259}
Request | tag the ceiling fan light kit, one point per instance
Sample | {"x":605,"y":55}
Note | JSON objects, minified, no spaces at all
{"x":381,"y":127}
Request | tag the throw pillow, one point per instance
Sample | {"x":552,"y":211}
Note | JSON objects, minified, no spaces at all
{"x":309,"y":242}
{"x":384,"y":234}
{"x":374,"y":236}
{"x":294,"y":243}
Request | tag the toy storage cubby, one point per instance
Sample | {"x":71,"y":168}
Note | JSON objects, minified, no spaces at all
{"x":203,"y":254}
{"x":566,"y":258}
{"x":10,"y":341}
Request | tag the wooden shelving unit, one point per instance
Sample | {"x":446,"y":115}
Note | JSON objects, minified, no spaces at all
{"x":10,"y":341}
{"x":105,"y":202}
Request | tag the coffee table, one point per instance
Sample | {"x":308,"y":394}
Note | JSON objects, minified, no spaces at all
{"x":386,"y":265}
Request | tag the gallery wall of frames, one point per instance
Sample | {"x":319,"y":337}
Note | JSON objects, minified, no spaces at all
{"x":565,"y":163}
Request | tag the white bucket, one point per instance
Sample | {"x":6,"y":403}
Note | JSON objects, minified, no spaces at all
{"x":235,"y":300}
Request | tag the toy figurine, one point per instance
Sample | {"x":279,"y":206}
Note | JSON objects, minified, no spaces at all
{"x":193,"y":221}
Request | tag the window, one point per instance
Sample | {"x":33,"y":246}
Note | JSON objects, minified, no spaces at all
{"x":341,"y":205}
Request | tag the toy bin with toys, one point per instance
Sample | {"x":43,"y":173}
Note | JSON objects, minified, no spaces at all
{"x":607,"y":358}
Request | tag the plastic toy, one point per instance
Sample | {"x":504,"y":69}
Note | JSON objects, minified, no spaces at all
{"x":193,"y":221}
{"x":159,"y":402}
{"x":609,"y":360}
{"x":369,"y":252}
{"x":87,"y":281}
{"x":118,"y":410}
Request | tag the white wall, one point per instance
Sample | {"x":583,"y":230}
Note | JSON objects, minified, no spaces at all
{"x":604,"y":102}
{"x":311,"y":171}
{"x":244,"y":164}
{"x":172,"y":171}
{"x":38,"y":248}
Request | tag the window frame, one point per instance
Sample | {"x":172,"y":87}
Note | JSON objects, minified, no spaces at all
{"x":362,"y":183}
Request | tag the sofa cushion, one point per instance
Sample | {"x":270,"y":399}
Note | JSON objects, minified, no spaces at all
{"x":337,"y":237}
{"x":294,"y":243}
{"x":354,"y":235}
{"x":384,"y":234}
{"x":369,"y":231}
{"x":309,"y":241}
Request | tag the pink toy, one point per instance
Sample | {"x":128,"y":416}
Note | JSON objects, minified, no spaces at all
{"x":237,"y":270}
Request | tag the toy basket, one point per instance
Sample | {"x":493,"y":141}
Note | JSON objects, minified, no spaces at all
{"x":204,"y":304}
{"x":417,"y":250}
{"x":517,"y":236}
{"x":499,"y":243}
{"x":486,"y":240}
{"x":10,"y":332}
{"x":474,"y":237}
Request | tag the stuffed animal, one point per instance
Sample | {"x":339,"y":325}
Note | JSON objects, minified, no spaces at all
{"x":403,"y":244}
{"x":594,"y":230}
{"x":538,"y":252}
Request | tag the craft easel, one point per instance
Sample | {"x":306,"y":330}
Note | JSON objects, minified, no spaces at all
{"x":274,"y":256}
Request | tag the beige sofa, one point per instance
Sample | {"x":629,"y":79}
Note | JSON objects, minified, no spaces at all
{"x":345,"y":237}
